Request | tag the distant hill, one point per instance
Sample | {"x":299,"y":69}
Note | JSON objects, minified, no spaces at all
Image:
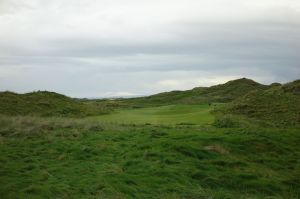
{"x":44,"y":103}
{"x":279,"y":104}
{"x":222,"y":93}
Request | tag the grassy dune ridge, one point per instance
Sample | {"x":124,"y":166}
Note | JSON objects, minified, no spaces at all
{"x":278,"y":105}
{"x":47,"y":104}
{"x":222,"y":93}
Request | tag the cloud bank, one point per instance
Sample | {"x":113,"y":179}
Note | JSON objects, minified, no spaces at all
{"x":89,"y":48}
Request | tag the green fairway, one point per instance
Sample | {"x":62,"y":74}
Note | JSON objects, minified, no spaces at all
{"x":172,"y":114}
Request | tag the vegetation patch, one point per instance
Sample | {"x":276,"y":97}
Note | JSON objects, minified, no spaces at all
{"x":279,"y":105}
{"x":236,"y":140}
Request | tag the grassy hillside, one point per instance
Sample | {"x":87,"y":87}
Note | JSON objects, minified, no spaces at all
{"x":148,"y":148}
{"x":45,"y":103}
{"x":80,"y":158}
{"x":279,"y":104}
{"x":220,"y":93}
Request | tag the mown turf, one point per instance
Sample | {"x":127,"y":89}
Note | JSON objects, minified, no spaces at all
{"x":54,"y":158}
{"x":172,"y":114}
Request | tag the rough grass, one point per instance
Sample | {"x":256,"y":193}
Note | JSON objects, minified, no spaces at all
{"x":46,"y":104}
{"x":278,"y":105}
{"x":81,"y":158}
{"x":172,"y":114}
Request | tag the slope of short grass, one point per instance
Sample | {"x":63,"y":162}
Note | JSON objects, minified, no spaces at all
{"x":172,"y":114}
{"x":54,"y":158}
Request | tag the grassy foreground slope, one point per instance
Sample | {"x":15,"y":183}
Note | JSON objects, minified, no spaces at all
{"x":69,"y":158}
{"x":43,"y":103}
{"x":279,"y":104}
{"x":171,"y":114}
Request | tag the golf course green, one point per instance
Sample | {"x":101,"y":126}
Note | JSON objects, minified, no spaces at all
{"x":172,"y":114}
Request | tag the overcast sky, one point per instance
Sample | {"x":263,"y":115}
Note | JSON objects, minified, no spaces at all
{"x":103,"y":48}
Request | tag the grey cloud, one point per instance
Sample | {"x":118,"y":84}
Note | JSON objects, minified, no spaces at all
{"x":116,"y":55}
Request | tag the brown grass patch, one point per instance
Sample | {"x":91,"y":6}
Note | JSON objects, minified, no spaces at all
{"x":216,"y":148}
